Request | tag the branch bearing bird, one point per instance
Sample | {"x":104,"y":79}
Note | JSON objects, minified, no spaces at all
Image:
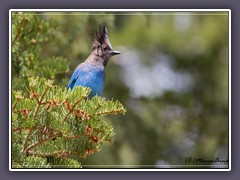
{"x":91,"y":73}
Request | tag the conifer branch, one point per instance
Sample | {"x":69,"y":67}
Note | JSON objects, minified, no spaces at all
{"x":22,"y":24}
{"x":72,"y":137}
{"x":35,"y":116}
{"x":27,"y":139}
{"x":40,"y":102}
{"x":33,"y":42}
{"x":60,"y":154}
{"x":86,"y":136}
{"x":72,"y":108}
{"x":41,"y":142}
{"x":111,"y":112}
{"x":14,"y":106}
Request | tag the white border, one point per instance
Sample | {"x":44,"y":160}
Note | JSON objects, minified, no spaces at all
{"x":121,"y":10}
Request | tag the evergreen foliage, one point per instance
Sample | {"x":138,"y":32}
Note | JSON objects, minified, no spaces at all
{"x":51,"y":125}
{"x":29,"y":33}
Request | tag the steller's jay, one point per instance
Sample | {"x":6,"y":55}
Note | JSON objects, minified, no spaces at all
{"x":91,"y":73}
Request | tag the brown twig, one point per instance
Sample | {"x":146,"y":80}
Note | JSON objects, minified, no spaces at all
{"x":72,"y":109}
{"x":19,"y":30}
{"x":14,"y":106}
{"x":35,"y":116}
{"x":40,"y":102}
{"x":27,"y":139}
{"x":41,"y":142}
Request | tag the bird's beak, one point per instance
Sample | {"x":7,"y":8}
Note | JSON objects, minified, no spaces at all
{"x":113,"y":52}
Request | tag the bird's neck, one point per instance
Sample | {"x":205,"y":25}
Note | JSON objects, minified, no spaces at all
{"x":96,"y":60}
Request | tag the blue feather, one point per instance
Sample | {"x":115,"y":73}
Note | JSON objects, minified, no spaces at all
{"x":88,"y":76}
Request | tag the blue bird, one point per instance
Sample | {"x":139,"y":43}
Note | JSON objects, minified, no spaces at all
{"x":91,"y":73}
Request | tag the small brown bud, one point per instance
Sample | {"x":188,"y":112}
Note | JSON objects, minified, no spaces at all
{"x":25,"y":112}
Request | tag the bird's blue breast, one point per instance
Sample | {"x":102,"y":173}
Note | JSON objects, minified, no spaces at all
{"x":88,"y":76}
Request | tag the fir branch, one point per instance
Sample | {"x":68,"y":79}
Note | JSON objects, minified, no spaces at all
{"x":111,"y":112}
{"x":72,"y":108}
{"x":60,"y":154}
{"x":18,"y":98}
{"x":40,"y":102}
{"x":73,"y":137}
{"x":42,"y":141}
{"x":33,"y":42}
{"x":27,"y":139}
{"x":67,"y":139}
{"x":20,"y":163}
{"x":35,"y":116}
{"x":22,"y":25}
{"x":14,"y":106}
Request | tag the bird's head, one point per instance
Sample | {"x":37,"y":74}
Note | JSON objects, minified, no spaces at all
{"x":102,"y":48}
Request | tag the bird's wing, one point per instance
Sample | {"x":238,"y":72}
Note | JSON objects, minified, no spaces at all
{"x":74,"y":77}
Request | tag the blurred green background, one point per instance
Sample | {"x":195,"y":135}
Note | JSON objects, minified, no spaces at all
{"x":172,"y":77}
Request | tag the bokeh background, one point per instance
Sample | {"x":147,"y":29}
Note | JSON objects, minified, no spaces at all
{"x":172,"y":77}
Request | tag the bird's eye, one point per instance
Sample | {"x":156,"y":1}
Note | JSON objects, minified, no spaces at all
{"x":105,"y":48}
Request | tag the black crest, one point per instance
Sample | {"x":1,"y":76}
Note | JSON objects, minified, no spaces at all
{"x":101,"y":34}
